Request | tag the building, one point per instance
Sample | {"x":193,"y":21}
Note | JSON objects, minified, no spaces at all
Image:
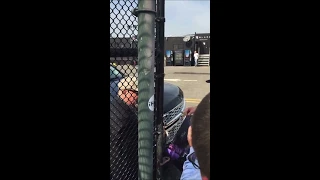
{"x":198,"y":41}
{"x":123,"y":42}
{"x":123,"y":50}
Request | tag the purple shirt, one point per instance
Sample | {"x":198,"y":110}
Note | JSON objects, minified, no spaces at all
{"x":189,"y":171}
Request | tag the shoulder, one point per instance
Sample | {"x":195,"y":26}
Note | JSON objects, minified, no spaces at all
{"x":190,"y":172}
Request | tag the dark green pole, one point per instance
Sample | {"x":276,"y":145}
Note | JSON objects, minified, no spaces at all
{"x":146,"y":48}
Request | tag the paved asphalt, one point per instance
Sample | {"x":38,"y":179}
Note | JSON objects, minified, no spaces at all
{"x":192,"y":81}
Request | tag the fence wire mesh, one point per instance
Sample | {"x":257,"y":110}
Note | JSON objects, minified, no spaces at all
{"x":123,"y":90}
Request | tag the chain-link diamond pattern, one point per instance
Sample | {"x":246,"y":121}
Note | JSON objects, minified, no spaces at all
{"x":123,"y":90}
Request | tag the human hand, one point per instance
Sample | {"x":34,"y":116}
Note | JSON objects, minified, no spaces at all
{"x":189,"y":136}
{"x":190,"y":110}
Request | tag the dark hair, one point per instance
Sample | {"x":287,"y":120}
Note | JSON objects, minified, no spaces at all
{"x":201,"y":135}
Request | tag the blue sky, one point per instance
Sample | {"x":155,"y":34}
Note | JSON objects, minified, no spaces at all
{"x":182,"y":17}
{"x":186,"y":17}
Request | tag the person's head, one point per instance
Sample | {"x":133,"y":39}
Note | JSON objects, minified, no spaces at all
{"x":201,"y":135}
{"x":128,"y":90}
{"x":195,"y":51}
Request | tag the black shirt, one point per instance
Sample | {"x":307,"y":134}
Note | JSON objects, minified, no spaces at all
{"x":123,"y":141}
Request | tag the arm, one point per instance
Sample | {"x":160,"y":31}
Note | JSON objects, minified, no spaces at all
{"x":189,"y":171}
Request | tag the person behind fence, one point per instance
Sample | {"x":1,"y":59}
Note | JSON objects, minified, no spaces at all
{"x":128,"y":90}
{"x":196,"y":57}
{"x":197,"y":165}
{"x":124,"y":132}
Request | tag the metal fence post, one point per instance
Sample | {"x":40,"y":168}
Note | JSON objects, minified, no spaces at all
{"x":146,"y":56}
{"x":159,"y":87}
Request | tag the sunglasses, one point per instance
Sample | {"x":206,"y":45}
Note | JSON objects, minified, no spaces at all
{"x":136,"y":92}
{"x":129,"y":90}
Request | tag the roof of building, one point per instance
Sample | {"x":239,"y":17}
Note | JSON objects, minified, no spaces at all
{"x":190,"y":35}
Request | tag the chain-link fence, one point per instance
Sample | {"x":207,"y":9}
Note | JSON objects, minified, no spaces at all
{"x":124,"y":88}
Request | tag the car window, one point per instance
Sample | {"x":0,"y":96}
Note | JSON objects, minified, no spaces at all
{"x":115,"y":73}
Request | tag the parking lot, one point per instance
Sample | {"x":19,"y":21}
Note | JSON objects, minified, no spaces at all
{"x":192,"y":80}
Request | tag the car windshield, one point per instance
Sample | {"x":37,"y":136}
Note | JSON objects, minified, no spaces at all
{"x":115,"y":73}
